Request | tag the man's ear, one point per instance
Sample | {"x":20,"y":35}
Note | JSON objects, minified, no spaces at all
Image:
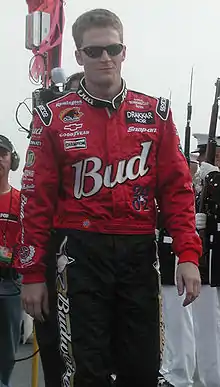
{"x":78,"y":56}
{"x":124,"y":53}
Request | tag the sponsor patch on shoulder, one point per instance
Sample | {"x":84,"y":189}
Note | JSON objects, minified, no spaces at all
{"x":76,"y":143}
{"x":162,"y":109}
{"x":36,"y":131}
{"x":30,"y":158}
{"x":44,"y":113}
{"x":36,"y":143}
{"x":70,"y":115}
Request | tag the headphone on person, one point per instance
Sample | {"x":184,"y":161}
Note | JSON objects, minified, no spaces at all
{"x":15,"y":160}
{"x":7,"y":144}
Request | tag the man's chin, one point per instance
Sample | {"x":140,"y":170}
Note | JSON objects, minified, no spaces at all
{"x":106,"y":79}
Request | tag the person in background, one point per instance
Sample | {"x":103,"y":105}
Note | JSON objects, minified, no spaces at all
{"x":198,"y":333}
{"x":177,"y":368}
{"x":105,"y":154}
{"x":73,"y":80}
{"x":10,"y":302}
{"x":209,"y":222}
{"x":207,"y":309}
{"x":47,"y":332}
{"x":194,"y":164}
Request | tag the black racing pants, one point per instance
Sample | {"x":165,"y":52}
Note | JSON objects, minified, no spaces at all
{"x":108,"y":310}
{"x":48,"y":332}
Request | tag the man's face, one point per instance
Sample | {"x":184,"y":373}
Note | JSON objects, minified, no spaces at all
{"x":201,"y":158}
{"x":102,"y":67}
{"x":5,"y":162}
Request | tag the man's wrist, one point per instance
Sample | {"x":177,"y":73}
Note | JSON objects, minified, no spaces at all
{"x":189,"y":256}
{"x":32,"y":278}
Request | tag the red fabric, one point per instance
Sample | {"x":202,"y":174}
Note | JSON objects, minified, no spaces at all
{"x":188,"y":256}
{"x":103,"y":176}
{"x":9,"y":212}
{"x":54,"y":39}
{"x":41,"y":5}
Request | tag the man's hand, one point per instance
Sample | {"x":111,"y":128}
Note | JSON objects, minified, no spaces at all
{"x":35,"y":300}
{"x":201,"y":220}
{"x":205,"y":169}
{"x":188,"y":277}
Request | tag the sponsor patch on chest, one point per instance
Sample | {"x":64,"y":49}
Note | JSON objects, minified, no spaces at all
{"x":76,"y":143}
{"x":137,"y":117}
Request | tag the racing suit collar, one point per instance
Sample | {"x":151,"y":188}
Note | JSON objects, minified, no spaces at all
{"x":101,"y":103}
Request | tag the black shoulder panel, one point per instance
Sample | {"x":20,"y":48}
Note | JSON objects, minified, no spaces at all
{"x":162,"y":108}
{"x":45,"y":114}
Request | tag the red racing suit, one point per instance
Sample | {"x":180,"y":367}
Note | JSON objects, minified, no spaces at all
{"x":98,"y":165}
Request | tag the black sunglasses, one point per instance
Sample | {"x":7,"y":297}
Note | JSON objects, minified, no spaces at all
{"x":97,"y":51}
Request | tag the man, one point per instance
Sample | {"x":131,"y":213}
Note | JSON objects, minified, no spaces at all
{"x":10,"y":303}
{"x":104,"y":154}
{"x":178,"y":366}
{"x":193,"y":164}
{"x":207,"y":308}
{"x":198,"y":325}
{"x":47,"y":332}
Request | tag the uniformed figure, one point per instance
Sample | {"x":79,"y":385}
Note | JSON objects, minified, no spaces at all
{"x":10,"y":302}
{"x":178,"y":365}
{"x":198,"y":332}
{"x":210,"y":221}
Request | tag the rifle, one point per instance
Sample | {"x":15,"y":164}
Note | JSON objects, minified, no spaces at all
{"x":211,"y":146}
{"x":188,"y":127}
{"x":170,"y":97}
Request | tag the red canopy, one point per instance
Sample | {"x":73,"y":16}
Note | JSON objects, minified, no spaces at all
{"x":41,"y":5}
{"x":53,"y":41}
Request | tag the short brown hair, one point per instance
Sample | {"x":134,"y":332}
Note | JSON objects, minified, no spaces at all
{"x":95,"y":18}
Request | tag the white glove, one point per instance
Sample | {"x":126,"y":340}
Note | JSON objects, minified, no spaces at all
{"x":201,"y":221}
{"x":157,"y":234}
{"x":205,"y":169}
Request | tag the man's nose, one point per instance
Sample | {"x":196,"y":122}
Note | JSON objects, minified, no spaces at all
{"x":105,"y":57}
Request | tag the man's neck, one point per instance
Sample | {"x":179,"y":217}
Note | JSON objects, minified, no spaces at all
{"x":4,"y":186}
{"x":107,"y":93}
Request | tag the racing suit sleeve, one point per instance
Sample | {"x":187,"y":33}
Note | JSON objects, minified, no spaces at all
{"x":175,"y":195}
{"x":38,"y":198}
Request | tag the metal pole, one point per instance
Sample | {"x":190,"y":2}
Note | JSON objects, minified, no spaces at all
{"x":56,"y":50}
{"x":35,"y":362}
